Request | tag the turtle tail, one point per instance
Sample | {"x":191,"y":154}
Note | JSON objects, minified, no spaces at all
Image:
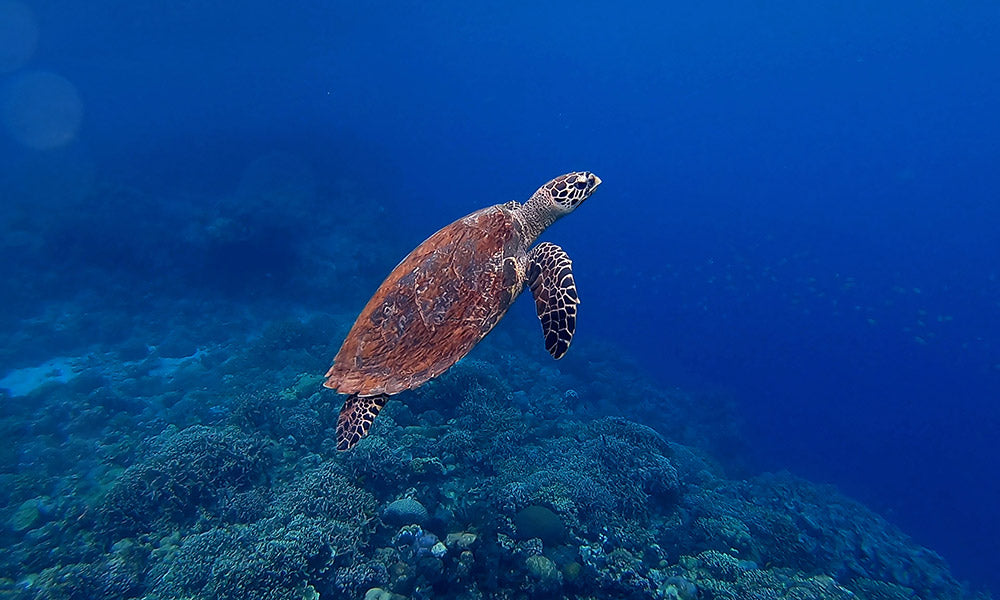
{"x":356,"y":418}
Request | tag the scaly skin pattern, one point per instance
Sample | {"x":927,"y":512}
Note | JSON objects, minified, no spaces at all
{"x":550,"y":278}
{"x":434,"y":306}
{"x":356,"y":418}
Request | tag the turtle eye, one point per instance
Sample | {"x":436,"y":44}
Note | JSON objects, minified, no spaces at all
{"x":581,"y":184}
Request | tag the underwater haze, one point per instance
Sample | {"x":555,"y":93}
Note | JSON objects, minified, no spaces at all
{"x":786,"y":373}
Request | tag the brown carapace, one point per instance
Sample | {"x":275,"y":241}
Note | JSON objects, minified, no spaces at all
{"x":448,"y":293}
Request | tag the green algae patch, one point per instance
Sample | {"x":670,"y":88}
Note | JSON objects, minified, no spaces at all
{"x":27,"y":516}
{"x":305,"y":386}
{"x":571,"y":571}
{"x":540,"y":522}
{"x":543,"y":570}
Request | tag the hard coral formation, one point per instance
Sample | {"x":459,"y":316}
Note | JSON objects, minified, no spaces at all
{"x":720,"y":576}
{"x":184,"y":472}
{"x":405,"y":511}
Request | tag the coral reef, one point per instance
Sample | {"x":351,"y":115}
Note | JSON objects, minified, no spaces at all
{"x":466,"y":489}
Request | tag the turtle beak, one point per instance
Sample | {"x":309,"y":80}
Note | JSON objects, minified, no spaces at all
{"x":592,"y":182}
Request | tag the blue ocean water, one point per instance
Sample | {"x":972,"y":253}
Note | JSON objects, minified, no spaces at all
{"x":799,"y":208}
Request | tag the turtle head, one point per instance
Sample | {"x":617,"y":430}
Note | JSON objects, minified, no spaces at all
{"x":570,"y":190}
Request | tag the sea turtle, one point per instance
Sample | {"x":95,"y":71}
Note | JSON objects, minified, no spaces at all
{"x":450,"y":292}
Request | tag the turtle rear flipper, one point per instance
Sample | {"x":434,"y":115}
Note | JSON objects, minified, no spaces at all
{"x":550,"y":278}
{"x":356,"y":418}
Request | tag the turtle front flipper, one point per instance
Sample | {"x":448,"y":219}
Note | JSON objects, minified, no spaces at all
{"x":550,"y":278}
{"x":356,"y":418}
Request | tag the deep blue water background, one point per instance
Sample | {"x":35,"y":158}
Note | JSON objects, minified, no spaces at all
{"x":800,"y":201}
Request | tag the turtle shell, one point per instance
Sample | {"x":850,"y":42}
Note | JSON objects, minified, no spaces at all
{"x":434,"y":307}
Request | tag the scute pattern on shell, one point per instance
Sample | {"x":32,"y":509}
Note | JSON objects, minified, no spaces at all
{"x":434,"y":306}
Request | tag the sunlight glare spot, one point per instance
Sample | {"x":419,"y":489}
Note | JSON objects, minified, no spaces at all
{"x":41,"y":110}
